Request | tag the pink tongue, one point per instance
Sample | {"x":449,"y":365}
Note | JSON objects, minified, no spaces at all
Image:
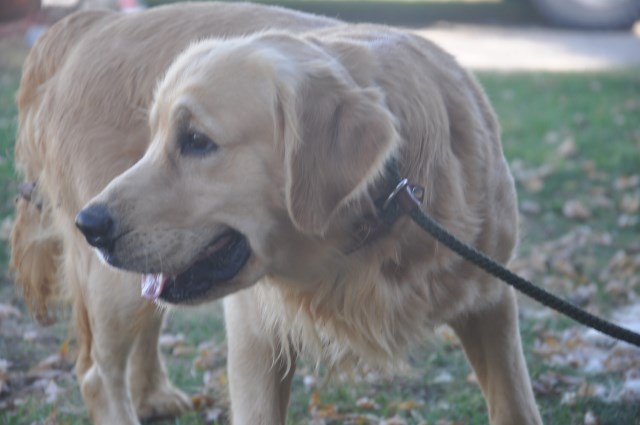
{"x":152,"y":285}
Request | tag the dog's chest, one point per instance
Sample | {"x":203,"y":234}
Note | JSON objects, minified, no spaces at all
{"x":342,"y":324}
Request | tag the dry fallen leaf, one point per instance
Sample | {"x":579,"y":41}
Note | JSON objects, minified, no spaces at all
{"x":5,"y":228}
{"x":593,"y":173}
{"x":530,"y":207}
{"x":52,"y":419}
{"x":202,"y":401}
{"x":54,"y":361}
{"x":619,"y":119}
{"x":531,"y":179}
{"x":52,"y":392}
{"x":4,"y":375}
{"x":564,"y":267}
{"x":601,"y":201}
{"x":442,"y":378}
{"x":309,"y":382}
{"x":591,"y":390}
{"x":567,"y":148}
{"x":590,"y":418}
{"x":182,"y":350}
{"x":448,"y":422}
{"x":575,"y":210}
{"x":627,"y":220}
{"x":619,"y":260}
{"x":314,"y":400}
{"x":4,"y":365}
{"x":223,"y":381}
{"x":325,"y":411}
{"x":171,"y":341}
{"x":630,"y":391}
{"x":583,"y":294}
{"x":546,"y":383}
{"x":631,"y":104}
{"x":213,"y":415}
{"x":30,"y":335}
{"x":552,"y":137}
{"x":579,"y":119}
{"x":367,"y":403}
{"x":409,"y":405}
{"x":569,"y":398}
{"x":210,"y":356}
{"x":630,"y":203}
{"x":626,"y":182}
{"x":396,"y":420}
{"x":8,"y":311}
{"x":447,"y":335}
{"x":533,"y":184}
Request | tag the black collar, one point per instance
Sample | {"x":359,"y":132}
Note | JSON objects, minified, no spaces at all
{"x":402,"y":199}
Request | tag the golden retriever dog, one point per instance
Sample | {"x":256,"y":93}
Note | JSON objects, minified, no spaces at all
{"x":83,"y":104}
{"x":247,"y":171}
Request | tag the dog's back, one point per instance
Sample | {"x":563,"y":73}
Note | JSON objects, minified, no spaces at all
{"x":35,"y":242}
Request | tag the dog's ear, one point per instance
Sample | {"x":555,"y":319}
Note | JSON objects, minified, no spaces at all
{"x":337,"y":137}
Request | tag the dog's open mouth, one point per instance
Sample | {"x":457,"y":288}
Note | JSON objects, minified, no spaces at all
{"x":218,"y":263}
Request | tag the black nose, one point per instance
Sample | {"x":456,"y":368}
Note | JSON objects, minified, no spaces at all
{"x":97,"y":225}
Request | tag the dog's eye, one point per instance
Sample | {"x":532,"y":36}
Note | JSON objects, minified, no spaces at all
{"x":196,"y":143}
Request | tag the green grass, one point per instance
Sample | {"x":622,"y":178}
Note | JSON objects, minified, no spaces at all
{"x":8,"y":125}
{"x":586,"y":107}
{"x":599,"y":111}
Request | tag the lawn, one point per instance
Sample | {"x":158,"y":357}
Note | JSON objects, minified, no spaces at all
{"x":573,"y":141}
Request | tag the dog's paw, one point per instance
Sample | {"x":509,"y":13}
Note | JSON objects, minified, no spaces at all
{"x":166,"y":401}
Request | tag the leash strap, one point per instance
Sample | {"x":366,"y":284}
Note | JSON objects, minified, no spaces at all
{"x":407,"y":198}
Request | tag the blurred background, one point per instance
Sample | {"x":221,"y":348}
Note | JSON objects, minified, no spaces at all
{"x":564,"y":78}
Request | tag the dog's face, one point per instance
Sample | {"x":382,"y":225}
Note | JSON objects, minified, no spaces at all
{"x":256,"y":146}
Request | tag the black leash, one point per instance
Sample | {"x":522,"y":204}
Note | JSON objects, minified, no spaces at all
{"x":406,"y":198}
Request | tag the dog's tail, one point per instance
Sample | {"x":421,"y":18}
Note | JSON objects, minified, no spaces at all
{"x":35,"y":249}
{"x":36,"y":242}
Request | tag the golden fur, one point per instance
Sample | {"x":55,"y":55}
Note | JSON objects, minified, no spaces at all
{"x":304,"y":121}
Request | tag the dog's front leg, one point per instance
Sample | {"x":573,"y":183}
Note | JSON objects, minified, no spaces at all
{"x":111,"y":305}
{"x":259,"y":381}
{"x":491,"y":340}
{"x":152,"y":392}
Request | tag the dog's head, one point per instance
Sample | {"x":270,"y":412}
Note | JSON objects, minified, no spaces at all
{"x":259,"y":145}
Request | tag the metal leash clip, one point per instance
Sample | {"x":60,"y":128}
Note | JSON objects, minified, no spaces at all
{"x":407,"y":196}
